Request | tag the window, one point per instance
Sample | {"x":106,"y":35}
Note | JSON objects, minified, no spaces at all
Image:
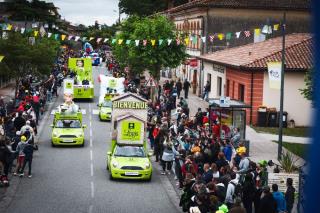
{"x":228,"y":88}
{"x":219,"y":86}
{"x":241,"y":92}
{"x":233,"y":89}
{"x":209,"y":78}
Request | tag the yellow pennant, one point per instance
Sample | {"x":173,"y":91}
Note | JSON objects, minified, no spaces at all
{"x":63,"y":37}
{"x":186,"y":40}
{"x":276,"y":27}
{"x":120,"y":41}
{"x":36,"y":33}
{"x":91,"y":38}
{"x":153,"y":42}
{"x":257,"y":31}
{"x":9,"y":27}
{"x":221,"y":36}
{"x":1,"y":57}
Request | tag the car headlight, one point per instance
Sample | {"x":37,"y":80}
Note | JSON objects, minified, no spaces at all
{"x":54,"y":134}
{"x":147,"y":165}
{"x":80,"y":135}
{"x":115,"y":164}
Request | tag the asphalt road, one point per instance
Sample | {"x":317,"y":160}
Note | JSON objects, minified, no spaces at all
{"x":75,"y":179}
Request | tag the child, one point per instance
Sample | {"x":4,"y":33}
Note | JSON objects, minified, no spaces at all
{"x":20,"y":153}
{"x":28,"y":151}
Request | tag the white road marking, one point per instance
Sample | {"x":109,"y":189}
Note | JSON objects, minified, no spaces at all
{"x":92,"y":189}
{"x":90,"y":142}
{"x":91,"y":166}
{"x":95,"y":112}
{"x":90,"y":208}
{"x":89,"y":108}
{"x":90,"y":133}
{"x":90,"y":123}
{"x":91,"y":155}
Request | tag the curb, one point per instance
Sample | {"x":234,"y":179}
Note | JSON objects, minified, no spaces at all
{"x":10,"y":191}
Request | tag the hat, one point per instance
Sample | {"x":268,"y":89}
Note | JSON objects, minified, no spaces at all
{"x":23,"y":138}
{"x":263,"y":163}
{"x":18,"y":133}
{"x":194,"y":209}
{"x":223,"y":208}
{"x":28,"y":122}
{"x":241,"y":150}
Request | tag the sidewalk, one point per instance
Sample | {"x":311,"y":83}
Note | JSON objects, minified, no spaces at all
{"x":8,"y":92}
{"x":289,"y":139}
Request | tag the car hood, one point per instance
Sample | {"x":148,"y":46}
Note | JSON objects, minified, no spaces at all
{"x":67,"y":131}
{"x":131,"y":161}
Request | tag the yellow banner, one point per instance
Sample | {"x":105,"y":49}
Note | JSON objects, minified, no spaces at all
{"x":63,"y":37}
{"x":274,"y":70}
{"x":36,"y":33}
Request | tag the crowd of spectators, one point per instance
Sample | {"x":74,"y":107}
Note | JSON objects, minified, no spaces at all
{"x":212,"y":170}
{"x":19,"y":118}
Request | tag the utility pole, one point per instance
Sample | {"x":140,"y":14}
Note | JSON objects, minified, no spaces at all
{"x":283,"y":62}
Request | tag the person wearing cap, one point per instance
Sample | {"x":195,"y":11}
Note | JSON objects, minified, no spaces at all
{"x":267,"y":203}
{"x":244,"y":162}
{"x":20,"y":153}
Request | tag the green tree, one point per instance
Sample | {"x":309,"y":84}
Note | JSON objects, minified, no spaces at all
{"x":307,"y":92}
{"x":148,"y":58}
{"x":22,"y":58}
{"x":142,"y":7}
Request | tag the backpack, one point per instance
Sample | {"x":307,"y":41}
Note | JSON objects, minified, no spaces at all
{"x":237,"y":191}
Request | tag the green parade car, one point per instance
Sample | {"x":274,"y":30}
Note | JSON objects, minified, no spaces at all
{"x":129,"y":162}
{"x":68,"y":130}
{"x":105,"y":110}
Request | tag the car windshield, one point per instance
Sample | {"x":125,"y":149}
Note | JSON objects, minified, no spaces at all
{"x":107,"y":104}
{"x":68,"y":124}
{"x":129,"y":151}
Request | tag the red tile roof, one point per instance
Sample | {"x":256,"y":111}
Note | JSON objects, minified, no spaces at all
{"x":299,"y":53}
{"x":254,"y":4}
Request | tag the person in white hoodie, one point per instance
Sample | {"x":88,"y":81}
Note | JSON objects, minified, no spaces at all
{"x":231,"y":190}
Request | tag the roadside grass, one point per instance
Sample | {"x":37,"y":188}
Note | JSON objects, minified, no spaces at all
{"x":296,"y":132}
{"x":298,"y":149}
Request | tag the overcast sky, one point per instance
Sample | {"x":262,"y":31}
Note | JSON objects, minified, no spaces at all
{"x":87,"y":11}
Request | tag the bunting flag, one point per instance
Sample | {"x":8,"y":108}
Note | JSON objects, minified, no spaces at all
{"x":35,"y":33}
{"x":77,"y":38}
{"x":63,"y":37}
{"x":221,"y":36}
{"x":128,"y":42}
{"x":98,"y":40}
{"x":169,"y":42}
{"x":91,"y":38}
{"x":113,"y":41}
{"x":247,"y":33}
{"x":160,"y":42}
{"x":267,"y":29}
{"x":49,"y":35}
{"x":84,"y":38}
{"x":42,"y":31}
{"x":9,"y":27}
{"x":257,"y":32}
{"x":203,"y":38}
{"x":70,"y":37}
{"x":186,"y":41}
{"x":228,"y":36}
{"x":1,"y":57}
{"x":16,"y":29}
{"x":276,"y":27}
{"x":153,"y":42}
{"x":211,"y":38}
{"x":178,"y":41}
{"x":22,"y":30}
{"x":56,"y":36}
{"x":238,"y":34}
{"x":195,"y":40}
{"x":105,"y":40}
{"x":120,"y":41}
{"x":145,"y":42}
{"x":137,"y":42}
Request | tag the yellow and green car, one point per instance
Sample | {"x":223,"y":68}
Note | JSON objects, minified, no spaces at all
{"x":67,"y":129}
{"x":129,"y":162}
{"x":105,"y":111}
